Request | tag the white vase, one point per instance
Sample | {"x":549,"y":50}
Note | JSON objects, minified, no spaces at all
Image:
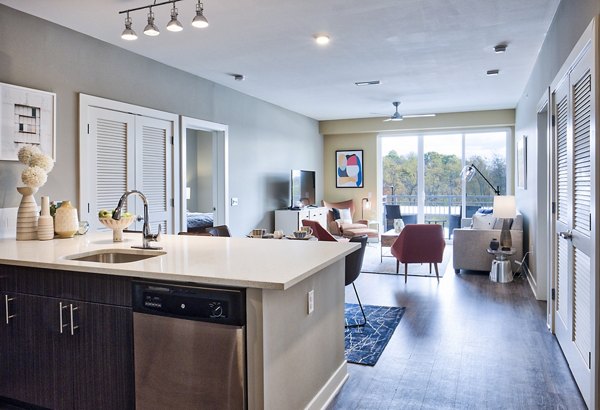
{"x":66,"y":222}
{"x":45,"y":221}
{"x":398,"y":225}
{"x":27,"y":215}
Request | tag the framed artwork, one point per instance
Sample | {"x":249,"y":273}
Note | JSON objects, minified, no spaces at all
{"x":27,"y":116}
{"x":522,"y":162}
{"x":349,"y":172}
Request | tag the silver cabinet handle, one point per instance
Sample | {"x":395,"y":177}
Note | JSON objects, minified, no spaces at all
{"x":8,"y":315}
{"x":62,"y":325}
{"x":73,"y":327}
{"x":566,"y":234}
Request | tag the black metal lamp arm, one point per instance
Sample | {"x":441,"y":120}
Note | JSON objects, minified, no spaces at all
{"x":496,"y":190}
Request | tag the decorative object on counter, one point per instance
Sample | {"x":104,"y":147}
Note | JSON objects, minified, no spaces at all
{"x":66,"y":223}
{"x":307,"y":229}
{"x":494,"y":244}
{"x":27,"y":215}
{"x":34,"y":176}
{"x":278,"y":234}
{"x":45,"y":229}
{"x":258,"y":233}
{"x":117,"y":226}
{"x":84,"y":226}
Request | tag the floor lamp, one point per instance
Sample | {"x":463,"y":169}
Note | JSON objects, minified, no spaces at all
{"x":468,"y":172}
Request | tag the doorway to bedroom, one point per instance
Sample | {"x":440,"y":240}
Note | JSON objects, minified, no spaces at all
{"x":204,"y":181}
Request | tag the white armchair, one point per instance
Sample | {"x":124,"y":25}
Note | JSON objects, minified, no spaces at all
{"x":470,"y":244}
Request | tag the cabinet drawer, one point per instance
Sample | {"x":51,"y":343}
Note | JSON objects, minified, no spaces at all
{"x":90,"y":287}
{"x":8,"y":281}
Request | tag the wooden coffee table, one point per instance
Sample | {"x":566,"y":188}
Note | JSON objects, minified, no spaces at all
{"x":387,"y":239}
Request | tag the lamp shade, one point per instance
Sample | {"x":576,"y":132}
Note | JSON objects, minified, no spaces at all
{"x":505,"y":206}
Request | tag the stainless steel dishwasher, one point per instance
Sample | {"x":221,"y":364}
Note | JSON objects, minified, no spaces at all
{"x":189,"y":347}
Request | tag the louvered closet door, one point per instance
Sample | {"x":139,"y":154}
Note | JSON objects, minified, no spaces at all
{"x":574,"y":250}
{"x":109,"y":158}
{"x":153,"y":168}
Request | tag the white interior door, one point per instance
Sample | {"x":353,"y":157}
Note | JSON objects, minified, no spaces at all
{"x":106,"y":172}
{"x":573,"y":245}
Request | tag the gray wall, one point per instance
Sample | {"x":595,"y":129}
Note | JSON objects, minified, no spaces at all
{"x":571,"y":19}
{"x":266,"y":141}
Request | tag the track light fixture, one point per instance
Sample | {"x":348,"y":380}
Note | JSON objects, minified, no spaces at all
{"x":128,"y":33}
{"x":199,"y":20}
{"x":174,"y":25}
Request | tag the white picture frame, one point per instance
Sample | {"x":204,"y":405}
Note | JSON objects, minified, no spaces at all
{"x":27,"y":116}
{"x":522,"y":162}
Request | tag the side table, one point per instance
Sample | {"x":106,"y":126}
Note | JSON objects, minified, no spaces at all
{"x":501,"y":266}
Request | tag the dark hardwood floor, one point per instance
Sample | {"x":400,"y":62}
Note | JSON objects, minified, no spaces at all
{"x":465,"y":343}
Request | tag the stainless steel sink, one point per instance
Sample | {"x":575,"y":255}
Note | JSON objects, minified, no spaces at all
{"x":115,"y":255}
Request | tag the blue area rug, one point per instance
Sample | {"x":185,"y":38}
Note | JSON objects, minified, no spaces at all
{"x":365,"y":344}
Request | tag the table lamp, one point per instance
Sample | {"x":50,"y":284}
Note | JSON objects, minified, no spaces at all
{"x":505,"y":207}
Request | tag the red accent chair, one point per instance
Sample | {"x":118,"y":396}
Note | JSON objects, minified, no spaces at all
{"x":318,"y":231}
{"x":419,"y":243}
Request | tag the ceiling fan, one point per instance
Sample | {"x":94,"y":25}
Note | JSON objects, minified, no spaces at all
{"x":396,"y":116}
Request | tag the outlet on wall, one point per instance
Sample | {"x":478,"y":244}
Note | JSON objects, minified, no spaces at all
{"x":310,"y":301}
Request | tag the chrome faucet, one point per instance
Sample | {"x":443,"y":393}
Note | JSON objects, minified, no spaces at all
{"x":147,"y":234}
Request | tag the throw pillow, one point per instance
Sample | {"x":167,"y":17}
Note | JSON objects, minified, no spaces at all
{"x":336,"y":213}
{"x":345,"y":216}
{"x":483,"y":221}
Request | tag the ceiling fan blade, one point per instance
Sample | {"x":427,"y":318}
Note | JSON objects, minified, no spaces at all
{"x":417,"y":115}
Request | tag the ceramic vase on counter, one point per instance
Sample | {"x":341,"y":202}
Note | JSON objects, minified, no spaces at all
{"x":27,"y":215}
{"x":66,"y":222}
{"x":45,"y":221}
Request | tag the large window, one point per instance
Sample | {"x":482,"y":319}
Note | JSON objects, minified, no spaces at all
{"x":422,"y":174}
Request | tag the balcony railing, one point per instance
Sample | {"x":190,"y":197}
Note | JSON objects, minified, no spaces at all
{"x":447,"y":208}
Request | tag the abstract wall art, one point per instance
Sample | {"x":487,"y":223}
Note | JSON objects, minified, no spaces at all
{"x":349,"y":169}
{"x":27,"y":116}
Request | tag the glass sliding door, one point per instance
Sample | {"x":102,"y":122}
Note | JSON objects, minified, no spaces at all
{"x":487,"y":151}
{"x":400,"y":182}
{"x":421,"y":176}
{"x":442,"y":157}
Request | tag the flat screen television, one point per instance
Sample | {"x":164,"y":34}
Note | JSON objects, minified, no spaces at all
{"x":302,"y":188}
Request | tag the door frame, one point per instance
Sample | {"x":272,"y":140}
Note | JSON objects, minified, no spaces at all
{"x":220,"y":168}
{"x":87,"y":101}
{"x":587,"y":41}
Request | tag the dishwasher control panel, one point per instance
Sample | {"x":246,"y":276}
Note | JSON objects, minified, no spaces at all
{"x":217,"y":305}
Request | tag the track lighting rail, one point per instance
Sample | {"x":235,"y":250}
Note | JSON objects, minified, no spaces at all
{"x":149,"y":6}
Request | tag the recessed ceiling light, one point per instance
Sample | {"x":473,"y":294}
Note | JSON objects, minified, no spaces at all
{"x":493,"y":72}
{"x":322,"y":39}
{"x":361,"y":83}
{"x":500,"y":48}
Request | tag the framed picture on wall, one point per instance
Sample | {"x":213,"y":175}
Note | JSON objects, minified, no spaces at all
{"x":27,"y":116}
{"x":522,"y":162}
{"x":349,"y":170}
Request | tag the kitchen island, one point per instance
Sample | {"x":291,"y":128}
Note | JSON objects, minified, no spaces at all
{"x":294,"y":359}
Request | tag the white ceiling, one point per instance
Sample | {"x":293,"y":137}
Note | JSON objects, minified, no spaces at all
{"x":431,"y":55}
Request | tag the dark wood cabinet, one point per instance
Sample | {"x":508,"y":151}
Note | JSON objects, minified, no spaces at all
{"x":63,"y":353}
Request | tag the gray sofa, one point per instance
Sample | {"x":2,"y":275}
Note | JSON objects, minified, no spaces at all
{"x":470,"y":245}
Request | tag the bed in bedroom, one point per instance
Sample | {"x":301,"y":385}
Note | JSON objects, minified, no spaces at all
{"x":199,"y":222}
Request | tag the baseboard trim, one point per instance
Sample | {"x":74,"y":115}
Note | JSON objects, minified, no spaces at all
{"x":330,"y":389}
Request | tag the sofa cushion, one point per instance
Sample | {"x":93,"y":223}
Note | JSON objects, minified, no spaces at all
{"x":481,"y":221}
{"x":345,"y":216}
{"x":336,"y":213}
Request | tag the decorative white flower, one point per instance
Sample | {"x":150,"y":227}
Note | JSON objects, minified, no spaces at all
{"x":27,"y":152}
{"x":34,"y":177}
{"x":41,"y":160}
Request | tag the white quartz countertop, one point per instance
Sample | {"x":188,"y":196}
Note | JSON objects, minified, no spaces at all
{"x":239,"y":262}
